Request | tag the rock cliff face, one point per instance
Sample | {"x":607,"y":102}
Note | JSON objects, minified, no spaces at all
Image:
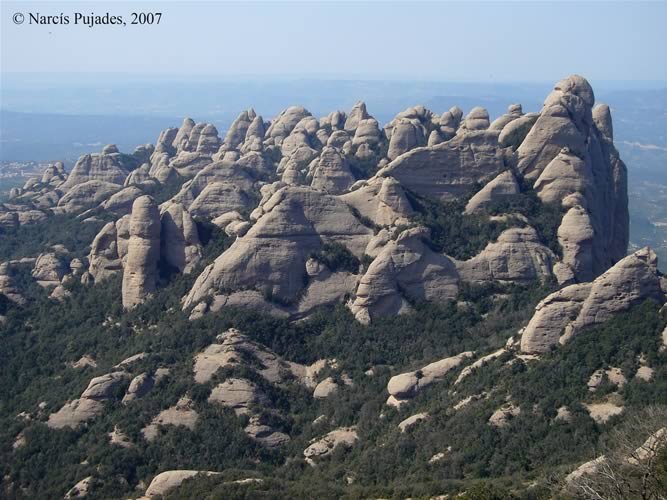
{"x":180,"y":247}
{"x":107,"y":166}
{"x":405,"y":270}
{"x":516,"y":257}
{"x":570,"y":151}
{"x":272,"y":255}
{"x":140,"y":274}
{"x":286,"y":188}
{"x":451,"y":169}
{"x":575,"y":308}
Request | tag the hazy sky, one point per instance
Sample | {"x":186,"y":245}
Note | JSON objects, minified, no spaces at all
{"x":493,"y":41}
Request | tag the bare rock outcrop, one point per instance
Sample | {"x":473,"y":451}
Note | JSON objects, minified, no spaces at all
{"x":233,"y":349}
{"x":514,"y":112}
{"x":513,"y":134}
{"x":324,"y":446}
{"x":412,"y":421}
{"x":180,"y":247}
{"x":282,"y":126}
{"x":139,"y":387}
{"x":107,"y":166}
{"x":121,"y":202}
{"x":405,"y":269}
{"x":259,"y":430}
{"x":357,"y":114}
{"x":81,"y":489}
{"x":575,"y":308}
{"x":476,"y":119}
{"x":236,"y":134}
{"x":503,"y":415}
{"x":272,"y":255}
{"x":565,"y":152}
{"x":238,"y":394}
{"x":86,"y":194}
{"x":405,"y":386}
{"x":54,"y":174}
{"x":108,"y":249}
{"x":517,"y":256}
{"x":502,"y":186}
{"x":218,"y":188}
{"x":602,"y":412}
{"x":576,"y":238}
{"x":382,"y":200}
{"x":452,"y":169}
{"x":168,"y":480}
{"x":91,"y":402}
{"x":331,"y":172}
{"x":50,"y":269}
{"x":181,"y":414}
{"x":406,"y":134}
{"x":143,"y":252}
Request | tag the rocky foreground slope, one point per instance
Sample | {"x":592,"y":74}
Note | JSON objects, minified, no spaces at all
{"x":452,"y":210}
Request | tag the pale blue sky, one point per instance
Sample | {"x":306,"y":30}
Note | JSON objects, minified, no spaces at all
{"x":493,"y":41}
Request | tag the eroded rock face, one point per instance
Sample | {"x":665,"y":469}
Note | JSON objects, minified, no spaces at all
{"x":107,"y":167}
{"x":477,"y":119}
{"x":180,"y":247}
{"x":91,"y":402}
{"x":331,"y":172}
{"x":168,"y":480}
{"x":143,"y":252}
{"x":382,"y":200}
{"x":514,"y":132}
{"x":503,"y":415}
{"x":80,"y":489}
{"x":502,"y":186}
{"x":260,"y":431}
{"x":406,"y":135}
{"x":105,"y":256}
{"x":452,"y":169}
{"x":320,"y":448}
{"x":139,"y":387}
{"x":233,"y":349}
{"x":285,"y":122}
{"x":412,"y":421}
{"x":517,"y":256}
{"x":120,"y":203}
{"x":575,"y":308}
{"x":54,"y":174}
{"x":237,"y":394}
{"x":272,"y":255}
{"x":218,"y":188}
{"x":514,"y":112}
{"x":565,"y":153}
{"x":405,"y":386}
{"x":86,"y":194}
{"x":404,"y":269}
{"x":50,"y":268}
{"x":181,"y":414}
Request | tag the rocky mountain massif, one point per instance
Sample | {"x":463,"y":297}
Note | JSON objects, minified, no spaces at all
{"x":330,"y":294}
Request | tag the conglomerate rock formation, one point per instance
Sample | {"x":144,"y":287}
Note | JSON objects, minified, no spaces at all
{"x":288,"y":215}
{"x":291,"y":189}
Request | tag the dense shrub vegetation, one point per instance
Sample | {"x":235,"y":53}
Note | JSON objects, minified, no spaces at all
{"x":454,"y":233}
{"x":33,"y":239}
{"x":543,"y":217}
{"x":337,"y":258}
